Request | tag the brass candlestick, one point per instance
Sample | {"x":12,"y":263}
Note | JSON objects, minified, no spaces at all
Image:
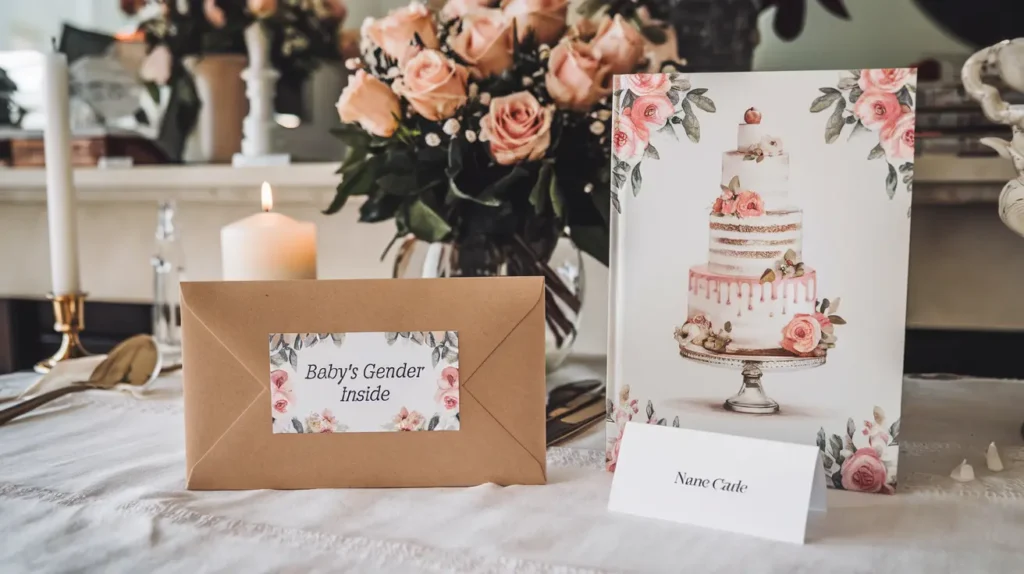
{"x":68,"y":320}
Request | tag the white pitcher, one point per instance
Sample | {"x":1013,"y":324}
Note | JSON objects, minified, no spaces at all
{"x":1007,"y":60}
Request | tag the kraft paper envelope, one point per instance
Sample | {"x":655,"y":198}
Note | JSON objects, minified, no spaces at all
{"x":230,"y":443}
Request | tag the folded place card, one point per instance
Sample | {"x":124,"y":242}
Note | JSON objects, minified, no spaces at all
{"x":360,"y":364}
{"x":751,"y":486}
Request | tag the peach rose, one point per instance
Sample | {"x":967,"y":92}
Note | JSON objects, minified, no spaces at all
{"x":262,"y":8}
{"x":749,"y":204}
{"x":281,"y":402}
{"x":864,"y":471}
{"x":518,"y":128}
{"x":628,"y":140}
{"x":448,"y":388}
{"x":898,"y":138}
{"x":884,"y":79}
{"x":801,"y":335}
{"x":648,"y":84}
{"x":545,"y":17}
{"x":394,"y":33}
{"x":874,"y":109}
{"x":618,"y":44}
{"x":727,"y":207}
{"x":407,"y":421}
{"x":576,"y":77}
{"x":485,"y":42}
{"x":328,"y":422}
{"x":653,"y":112}
{"x":214,"y":15}
{"x":461,"y":8}
{"x":371,"y":103}
{"x":434,"y":85}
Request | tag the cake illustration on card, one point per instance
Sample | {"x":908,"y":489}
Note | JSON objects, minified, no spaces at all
{"x":759,"y":260}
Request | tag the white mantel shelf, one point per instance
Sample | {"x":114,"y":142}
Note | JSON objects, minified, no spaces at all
{"x":939,"y":179}
{"x":308,"y":183}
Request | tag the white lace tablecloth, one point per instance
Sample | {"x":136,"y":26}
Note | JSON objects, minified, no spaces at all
{"x":95,"y":483}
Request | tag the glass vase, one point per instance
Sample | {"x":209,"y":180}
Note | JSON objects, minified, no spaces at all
{"x":562,"y":271}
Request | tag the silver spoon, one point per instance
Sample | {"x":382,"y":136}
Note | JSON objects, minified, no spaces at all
{"x":135,"y":361}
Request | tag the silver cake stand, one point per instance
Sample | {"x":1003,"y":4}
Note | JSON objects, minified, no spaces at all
{"x":751,"y":398}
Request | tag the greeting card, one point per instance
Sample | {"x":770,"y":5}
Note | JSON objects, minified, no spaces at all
{"x":760,"y":239}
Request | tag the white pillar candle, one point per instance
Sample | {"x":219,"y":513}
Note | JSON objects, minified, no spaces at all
{"x":268,"y":246}
{"x":60,"y":189}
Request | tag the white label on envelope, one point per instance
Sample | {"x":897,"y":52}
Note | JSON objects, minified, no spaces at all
{"x":364,"y":382}
{"x":751,"y":486}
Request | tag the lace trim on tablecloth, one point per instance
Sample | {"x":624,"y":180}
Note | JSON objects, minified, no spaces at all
{"x":416,"y":557}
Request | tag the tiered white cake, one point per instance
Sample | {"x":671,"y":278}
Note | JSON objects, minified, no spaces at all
{"x":755,"y":279}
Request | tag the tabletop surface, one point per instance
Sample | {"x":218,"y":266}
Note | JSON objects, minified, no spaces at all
{"x":95,"y":482}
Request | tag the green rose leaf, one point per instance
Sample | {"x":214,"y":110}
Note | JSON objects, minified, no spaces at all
{"x":824,"y":102}
{"x":669,"y":130}
{"x":820,"y":439}
{"x":637,"y":179}
{"x":855,"y":94}
{"x":557,"y":204}
{"x":876,"y":152}
{"x":835,"y":123}
{"x":541,"y":187}
{"x":651,"y":152}
{"x":890,"y":182}
{"x":434,"y":420}
{"x":703,"y":102}
{"x":455,"y":192}
{"x":691,"y":125}
{"x":850,"y":427}
{"x":425,"y":223}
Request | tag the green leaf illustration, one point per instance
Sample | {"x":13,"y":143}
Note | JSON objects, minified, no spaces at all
{"x":297,"y":424}
{"x":651,"y":152}
{"x":453,"y":338}
{"x":616,"y":203}
{"x":338,"y":339}
{"x":434,"y":420}
{"x":894,"y":430}
{"x":443,"y":350}
{"x":835,"y":445}
{"x":691,"y":125}
{"x":904,"y":98}
{"x":827,"y":462}
{"x":837,"y":479}
{"x":703,"y":102}
{"x":435,"y":356}
{"x":855,"y":94}
{"x":650,"y":410}
{"x":391,"y":337}
{"x":293,"y":359}
{"x":627,"y":99}
{"x":668,"y":129}
{"x":850,"y":427}
{"x":890,"y":182}
{"x":824,"y":102}
{"x":835,"y":123}
{"x":675,"y":422}
{"x":429,"y":336}
{"x":876,"y":152}
{"x":452,"y":357}
{"x":820,"y":439}
{"x":847,"y":83}
{"x":637,"y":179}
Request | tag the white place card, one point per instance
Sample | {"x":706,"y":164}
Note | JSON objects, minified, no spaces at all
{"x":752,"y":486}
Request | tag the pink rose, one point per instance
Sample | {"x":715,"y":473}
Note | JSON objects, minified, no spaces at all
{"x":749,"y":204}
{"x":898,"y":138}
{"x":371,"y":103}
{"x":278,"y":379}
{"x":801,"y":335}
{"x":884,"y":79}
{"x":864,"y":471}
{"x":613,"y":452}
{"x":648,"y":84}
{"x":214,"y":15}
{"x":517,"y":127}
{"x":407,"y":421}
{"x":281,"y":402}
{"x":156,"y":67}
{"x":394,"y":33}
{"x":448,"y":388}
{"x":545,"y":17}
{"x":728,"y":207}
{"x":461,"y":8}
{"x":874,"y":109}
{"x":628,"y":140}
{"x":262,"y":8}
{"x":328,"y":421}
{"x":653,"y":111}
{"x":825,"y":322}
{"x":576,"y":77}
{"x":485,"y":42}
{"x":700,"y":320}
{"x":618,"y":44}
{"x":434,"y":85}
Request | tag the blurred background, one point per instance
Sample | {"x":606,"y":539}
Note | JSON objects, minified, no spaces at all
{"x":966,"y":267}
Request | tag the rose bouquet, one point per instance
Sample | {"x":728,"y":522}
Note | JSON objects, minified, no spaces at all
{"x":486,"y":126}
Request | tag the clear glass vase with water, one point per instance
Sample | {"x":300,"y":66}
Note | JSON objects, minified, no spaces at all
{"x":168,"y":272}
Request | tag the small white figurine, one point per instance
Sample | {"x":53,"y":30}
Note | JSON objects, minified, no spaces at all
{"x":995,"y":464}
{"x":963,"y":472}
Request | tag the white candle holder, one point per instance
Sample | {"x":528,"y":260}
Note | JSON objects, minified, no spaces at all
{"x":260,"y":86}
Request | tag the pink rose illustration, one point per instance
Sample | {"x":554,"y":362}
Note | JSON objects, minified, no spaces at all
{"x":749,"y":204}
{"x":876,"y":108}
{"x":885,"y":79}
{"x":825,"y":322}
{"x":613,"y":453}
{"x":628,"y":140}
{"x":281,"y":403}
{"x":328,"y":422}
{"x":801,"y":335}
{"x":448,"y":388}
{"x":700,"y":320}
{"x":653,"y":111}
{"x":278,"y":379}
{"x":727,"y":207}
{"x":864,"y":471}
{"x":648,"y":84}
{"x":407,"y":420}
{"x":518,"y":128}
{"x":898,"y":138}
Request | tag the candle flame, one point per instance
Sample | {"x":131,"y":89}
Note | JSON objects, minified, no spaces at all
{"x":267,"y":197}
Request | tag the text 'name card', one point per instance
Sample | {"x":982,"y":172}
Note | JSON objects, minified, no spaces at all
{"x":751,"y":486}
